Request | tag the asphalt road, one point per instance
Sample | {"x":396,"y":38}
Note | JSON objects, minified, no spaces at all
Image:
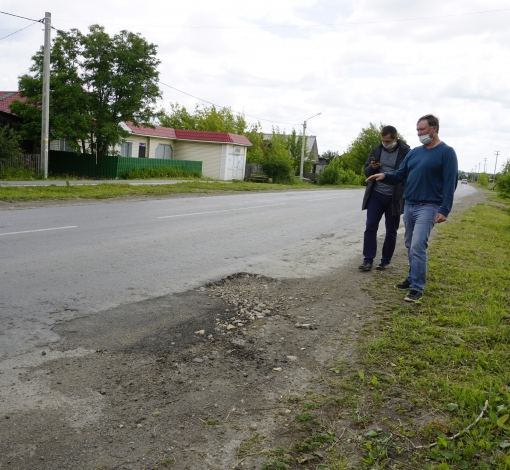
{"x":61,"y":262}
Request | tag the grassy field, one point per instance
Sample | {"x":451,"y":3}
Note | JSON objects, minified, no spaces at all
{"x":432,"y":390}
{"x":106,"y":191}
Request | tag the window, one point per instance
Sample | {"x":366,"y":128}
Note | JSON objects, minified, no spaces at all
{"x":164,"y":151}
{"x":63,"y":146}
{"x":141,"y":150}
{"x":126,"y":150}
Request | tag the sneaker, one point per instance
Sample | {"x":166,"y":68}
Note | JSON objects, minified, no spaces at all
{"x":413,"y":296}
{"x":404,"y":285}
{"x":365,"y":266}
{"x":382,"y":266}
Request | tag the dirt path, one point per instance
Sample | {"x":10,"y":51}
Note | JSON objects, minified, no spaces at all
{"x":194,"y":380}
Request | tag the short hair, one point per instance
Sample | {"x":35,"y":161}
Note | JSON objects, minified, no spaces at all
{"x":389,"y":130}
{"x":432,"y":120}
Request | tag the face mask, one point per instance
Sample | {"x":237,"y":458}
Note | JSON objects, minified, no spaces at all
{"x":425,"y":139}
{"x":390,"y":146}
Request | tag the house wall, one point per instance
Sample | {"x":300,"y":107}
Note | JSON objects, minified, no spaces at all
{"x":208,"y":154}
{"x":154,"y":142}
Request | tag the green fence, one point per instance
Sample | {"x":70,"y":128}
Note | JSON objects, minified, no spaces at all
{"x":69,"y":163}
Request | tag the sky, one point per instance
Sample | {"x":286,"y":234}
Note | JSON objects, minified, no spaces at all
{"x":281,"y":62}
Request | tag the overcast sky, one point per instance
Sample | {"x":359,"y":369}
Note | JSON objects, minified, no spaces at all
{"x":354,"y":61}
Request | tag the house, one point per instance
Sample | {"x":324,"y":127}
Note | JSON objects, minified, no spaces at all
{"x":311,"y":150}
{"x":223,"y":155}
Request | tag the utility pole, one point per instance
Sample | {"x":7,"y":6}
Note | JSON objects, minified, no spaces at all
{"x":485,"y":165}
{"x":495,"y":165}
{"x":45,"y":130}
{"x":303,"y":147}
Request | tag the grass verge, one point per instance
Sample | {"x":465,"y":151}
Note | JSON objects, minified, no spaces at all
{"x":106,"y":191}
{"x":432,"y":387}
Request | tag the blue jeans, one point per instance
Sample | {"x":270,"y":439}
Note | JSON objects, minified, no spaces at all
{"x":419,"y":219}
{"x":380,"y":204}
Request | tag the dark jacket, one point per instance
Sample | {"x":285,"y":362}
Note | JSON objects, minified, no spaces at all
{"x":397,"y":206}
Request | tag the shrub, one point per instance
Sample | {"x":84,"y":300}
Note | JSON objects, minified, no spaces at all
{"x":280,"y":169}
{"x":503,"y":186}
{"x":19,"y":173}
{"x":161,"y":172}
{"x":335,"y":174}
{"x":483,"y":180}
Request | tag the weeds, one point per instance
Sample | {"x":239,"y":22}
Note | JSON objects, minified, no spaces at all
{"x":416,"y":399}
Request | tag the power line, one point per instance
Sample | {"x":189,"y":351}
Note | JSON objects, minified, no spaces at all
{"x":332,"y":143}
{"x":224,"y":107}
{"x":17,"y":16}
{"x":314,"y":25}
{"x":38,"y":21}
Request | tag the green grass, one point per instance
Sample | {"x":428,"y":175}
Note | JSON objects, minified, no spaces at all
{"x":162,"y":172}
{"x":427,"y":369}
{"x":107,"y":191}
{"x":18,"y":174}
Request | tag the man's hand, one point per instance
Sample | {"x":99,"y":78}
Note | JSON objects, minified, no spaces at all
{"x":377,"y":177}
{"x":375,"y":165}
{"x":440,"y":218}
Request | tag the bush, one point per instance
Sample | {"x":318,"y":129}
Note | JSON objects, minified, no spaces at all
{"x":503,"y":186}
{"x":335,"y":174}
{"x":483,"y":180}
{"x":162,"y":172}
{"x":19,"y":173}
{"x":280,"y":169}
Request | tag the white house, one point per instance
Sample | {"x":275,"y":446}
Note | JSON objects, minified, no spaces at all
{"x":223,"y":155}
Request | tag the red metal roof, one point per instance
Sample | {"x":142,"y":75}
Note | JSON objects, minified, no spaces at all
{"x":6,"y":98}
{"x":181,"y":134}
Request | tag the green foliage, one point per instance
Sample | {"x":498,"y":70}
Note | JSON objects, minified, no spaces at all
{"x":483,"y":180}
{"x":503,"y":182}
{"x":359,"y":150}
{"x":329,"y":155}
{"x":210,"y":118}
{"x":295,"y":147}
{"x":9,"y":142}
{"x":162,"y":172}
{"x":276,"y":162}
{"x":19,"y":173}
{"x":96,"y":81}
{"x":336,"y":174}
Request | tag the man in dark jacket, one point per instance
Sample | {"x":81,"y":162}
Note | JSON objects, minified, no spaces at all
{"x":383,"y":198}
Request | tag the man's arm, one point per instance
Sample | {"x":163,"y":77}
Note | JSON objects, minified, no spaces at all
{"x":450,"y":178}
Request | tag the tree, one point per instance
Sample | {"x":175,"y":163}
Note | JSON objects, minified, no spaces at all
{"x":359,"y":150}
{"x":210,"y":118}
{"x":277,"y":162}
{"x":329,"y":155}
{"x":295,"y":146}
{"x":96,"y":82}
{"x":9,"y":142}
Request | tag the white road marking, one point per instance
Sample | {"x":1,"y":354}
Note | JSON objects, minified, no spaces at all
{"x":223,"y":210}
{"x":39,"y":230}
{"x":324,"y":198}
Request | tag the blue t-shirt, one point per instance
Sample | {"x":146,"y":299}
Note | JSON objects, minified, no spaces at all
{"x":431,"y":176}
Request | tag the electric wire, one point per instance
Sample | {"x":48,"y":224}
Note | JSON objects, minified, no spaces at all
{"x":314,"y":25}
{"x":225,"y":107}
{"x":9,"y":35}
{"x":23,"y":17}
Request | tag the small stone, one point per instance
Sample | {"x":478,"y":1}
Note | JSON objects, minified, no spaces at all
{"x":198,"y":359}
{"x":138,"y":425}
{"x":298,"y":325}
{"x":277,"y":369}
{"x":156,"y":413}
{"x":292,"y":358}
{"x":200,"y":332}
{"x":230,"y":327}
{"x":43,"y":353}
{"x":253,"y":427}
{"x":121,"y":426}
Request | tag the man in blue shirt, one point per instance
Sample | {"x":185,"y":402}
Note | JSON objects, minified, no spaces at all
{"x":431,"y":173}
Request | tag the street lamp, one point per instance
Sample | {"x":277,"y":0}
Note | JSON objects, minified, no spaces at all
{"x":303,"y":146}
